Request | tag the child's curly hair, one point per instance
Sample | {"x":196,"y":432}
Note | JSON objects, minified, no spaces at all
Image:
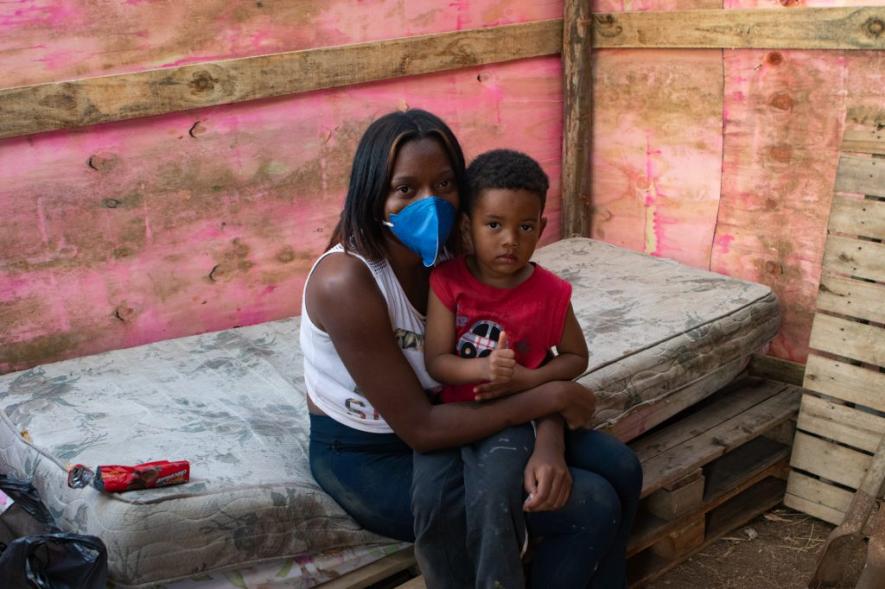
{"x":507,"y":169}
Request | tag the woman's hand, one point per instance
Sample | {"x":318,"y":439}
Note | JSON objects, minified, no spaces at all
{"x":579,"y":404}
{"x":547,"y":479}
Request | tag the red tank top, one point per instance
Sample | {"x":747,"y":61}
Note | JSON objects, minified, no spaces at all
{"x":532,"y":313}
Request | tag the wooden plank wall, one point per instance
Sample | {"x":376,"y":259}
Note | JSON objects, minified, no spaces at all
{"x":724,"y":159}
{"x":125,"y":233}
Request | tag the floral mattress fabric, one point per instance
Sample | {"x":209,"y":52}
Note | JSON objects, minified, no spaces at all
{"x":655,"y":326}
{"x":233,"y":404}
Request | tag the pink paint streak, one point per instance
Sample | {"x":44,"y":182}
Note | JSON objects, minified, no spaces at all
{"x":270,"y":174}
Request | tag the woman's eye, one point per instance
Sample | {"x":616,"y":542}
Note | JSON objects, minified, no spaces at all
{"x":445,"y":184}
{"x":403,"y":189}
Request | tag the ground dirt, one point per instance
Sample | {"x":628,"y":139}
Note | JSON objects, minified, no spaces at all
{"x":777,"y":550}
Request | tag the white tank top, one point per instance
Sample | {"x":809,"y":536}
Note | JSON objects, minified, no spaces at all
{"x":327,"y":380}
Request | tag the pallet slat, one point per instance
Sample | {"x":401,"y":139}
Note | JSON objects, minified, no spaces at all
{"x":854,"y":257}
{"x":849,"y":339}
{"x":865,"y":175}
{"x":734,"y":399}
{"x":776,"y":369}
{"x":864,"y":217}
{"x":841,"y":380}
{"x":854,"y":298}
{"x":670,"y":466}
{"x":829,"y":460}
{"x":728,"y":476}
{"x":864,"y":130}
{"x":374,"y":572}
{"x":831,"y":501}
{"x":734,"y":513}
{"x":844,"y":424}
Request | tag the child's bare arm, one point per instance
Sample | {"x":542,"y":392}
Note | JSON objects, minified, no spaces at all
{"x":449,"y":368}
{"x":570,"y":363}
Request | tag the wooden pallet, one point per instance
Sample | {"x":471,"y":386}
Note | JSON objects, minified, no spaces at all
{"x":707,"y":471}
{"x":710,"y":472}
{"x":842,"y":416}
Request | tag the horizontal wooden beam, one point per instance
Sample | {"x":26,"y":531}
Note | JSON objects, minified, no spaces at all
{"x":61,"y":105}
{"x":795,"y":28}
{"x":89,"y":101}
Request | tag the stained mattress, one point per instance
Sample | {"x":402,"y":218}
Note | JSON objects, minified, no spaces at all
{"x":232,"y":403}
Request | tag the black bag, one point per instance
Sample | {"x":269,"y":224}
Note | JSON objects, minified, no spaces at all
{"x":35,"y":554}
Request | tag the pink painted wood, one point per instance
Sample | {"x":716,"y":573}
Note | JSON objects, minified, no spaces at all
{"x":656,"y":160}
{"x":784,"y":113}
{"x":132,"y":232}
{"x":657,"y":150}
{"x":50,"y":40}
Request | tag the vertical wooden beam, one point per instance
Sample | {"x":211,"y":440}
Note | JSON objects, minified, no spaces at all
{"x":577,"y":102}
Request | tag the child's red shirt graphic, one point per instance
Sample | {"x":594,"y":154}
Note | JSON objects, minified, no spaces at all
{"x":532,"y":313}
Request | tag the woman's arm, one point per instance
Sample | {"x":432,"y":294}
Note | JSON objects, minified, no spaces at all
{"x":547,"y":479}
{"x":345,"y":302}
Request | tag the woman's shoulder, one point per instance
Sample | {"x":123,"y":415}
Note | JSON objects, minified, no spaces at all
{"x":342,"y":276}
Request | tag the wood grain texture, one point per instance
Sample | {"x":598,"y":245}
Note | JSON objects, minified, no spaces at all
{"x":89,"y":101}
{"x":657,"y":151}
{"x":51,"y":40}
{"x":800,"y":28}
{"x":863,"y":217}
{"x":855,"y":257}
{"x":857,"y":428}
{"x":855,"y":298}
{"x":785,"y":113}
{"x":817,"y":498}
{"x":576,"y":124}
{"x":772,"y":368}
{"x":669,"y":466}
{"x":849,"y":339}
{"x":128,"y":233}
{"x":865,"y":129}
{"x":864,"y":175}
{"x":855,"y":384}
{"x":829,"y":460}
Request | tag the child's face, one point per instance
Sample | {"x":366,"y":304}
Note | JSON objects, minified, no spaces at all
{"x":422,"y":168}
{"x":505,"y":226}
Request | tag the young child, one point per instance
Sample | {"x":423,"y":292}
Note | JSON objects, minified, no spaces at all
{"x":492,"y":320}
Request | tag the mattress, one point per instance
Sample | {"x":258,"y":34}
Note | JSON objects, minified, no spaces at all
{"x":232,"y":403}
{"x":655,"y":327}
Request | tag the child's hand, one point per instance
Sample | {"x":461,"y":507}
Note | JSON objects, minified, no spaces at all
{"x":500,"y":365}
{"x":492,"y":390}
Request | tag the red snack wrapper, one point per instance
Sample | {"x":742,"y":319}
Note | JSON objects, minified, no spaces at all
{"x":117,"y":479}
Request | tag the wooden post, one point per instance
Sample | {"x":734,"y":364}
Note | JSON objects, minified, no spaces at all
{"x":577,"y":102}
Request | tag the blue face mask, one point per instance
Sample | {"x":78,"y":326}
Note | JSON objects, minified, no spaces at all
{"x":424,"y":226}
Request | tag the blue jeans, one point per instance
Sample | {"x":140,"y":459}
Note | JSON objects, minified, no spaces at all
{"x":467,"y":503}
{"x":584,"y":543}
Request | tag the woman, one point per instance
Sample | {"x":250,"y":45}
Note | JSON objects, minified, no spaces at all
{"x":361,"y":335}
